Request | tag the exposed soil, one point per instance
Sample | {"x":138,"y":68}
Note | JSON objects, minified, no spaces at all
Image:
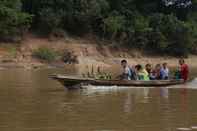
{"x":88,"y":51}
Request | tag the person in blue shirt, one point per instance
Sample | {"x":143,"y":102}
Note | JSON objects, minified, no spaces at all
{"x":164,"y":72}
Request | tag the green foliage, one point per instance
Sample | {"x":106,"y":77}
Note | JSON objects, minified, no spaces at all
{"x":139,"y":29}
{"x":12,"y":20}
{"x":13,"y":51}
{"x":45,"y":54}
{"x":86,"y":15}
{"x":171,"y":35}
{"x":66,"y":14}
{"x":114,"y":24}
{"x":161,"y":26}
{"x":49,"y":20}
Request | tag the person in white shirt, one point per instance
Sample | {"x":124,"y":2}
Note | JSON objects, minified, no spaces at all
{"x":165,"y":72}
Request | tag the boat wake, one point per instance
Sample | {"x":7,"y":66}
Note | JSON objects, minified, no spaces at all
{"x":113,"y":87}
{"x":190,"y":85}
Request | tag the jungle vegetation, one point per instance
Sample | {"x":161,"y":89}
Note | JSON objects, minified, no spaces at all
{"x":160,"y":26}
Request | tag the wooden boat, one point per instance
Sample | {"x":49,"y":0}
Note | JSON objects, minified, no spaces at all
{"x":69,"y":81}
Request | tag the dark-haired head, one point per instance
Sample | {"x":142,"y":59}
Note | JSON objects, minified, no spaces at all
{"x":158,"y":66}
{"x":148,"y":66}
{"x":165,"y":64}
{"x":124,"y":63}
{"x":181,"y":61}
{"x":138,"y":67}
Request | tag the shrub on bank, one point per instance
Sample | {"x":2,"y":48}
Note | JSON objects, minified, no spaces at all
{"x":46,"y":54}
{"x":69,"y":58}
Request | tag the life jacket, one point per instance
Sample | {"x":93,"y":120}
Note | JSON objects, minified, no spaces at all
{"x":144,"y":75}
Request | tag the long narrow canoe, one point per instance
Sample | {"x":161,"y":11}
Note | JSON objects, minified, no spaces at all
{"x":68,"y":81}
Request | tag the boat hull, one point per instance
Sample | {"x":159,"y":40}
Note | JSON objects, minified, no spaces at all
{"x":69,"y":81}
{"x":150,"y":83}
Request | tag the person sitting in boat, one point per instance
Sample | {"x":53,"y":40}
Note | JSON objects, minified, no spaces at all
{"x":149,"y":69}
{"x":184,"y":70}
{"x":128,"y":73}
{"x":165,"y":72}
{"x":142,"y":73}
{"x":156,"y":75}
{"x":177,"y":73}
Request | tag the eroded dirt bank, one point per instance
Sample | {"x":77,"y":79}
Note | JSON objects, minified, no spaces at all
{"x":89,"y":53}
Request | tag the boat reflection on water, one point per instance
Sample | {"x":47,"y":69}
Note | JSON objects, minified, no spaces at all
{"x":129,"y":104}
{"x":148,"y":98}
{"x":164,"y":92}
{"x":133,"y":94}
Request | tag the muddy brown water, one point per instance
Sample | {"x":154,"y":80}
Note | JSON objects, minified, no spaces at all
{"x":29,"y":101}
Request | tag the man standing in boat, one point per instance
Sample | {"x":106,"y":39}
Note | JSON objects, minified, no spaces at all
{"x":184,"y":70}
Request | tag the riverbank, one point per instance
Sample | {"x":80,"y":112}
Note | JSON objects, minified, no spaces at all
{"x":88,"y":52}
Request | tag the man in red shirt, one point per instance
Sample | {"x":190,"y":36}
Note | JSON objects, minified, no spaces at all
{"x":184,"y":70}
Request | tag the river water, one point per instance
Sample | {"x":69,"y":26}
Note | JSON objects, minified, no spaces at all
{"x":29,"y":101}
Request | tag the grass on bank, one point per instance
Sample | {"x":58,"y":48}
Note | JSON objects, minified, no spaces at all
{"x":9,"y":49}
{"x":45,"y":54}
